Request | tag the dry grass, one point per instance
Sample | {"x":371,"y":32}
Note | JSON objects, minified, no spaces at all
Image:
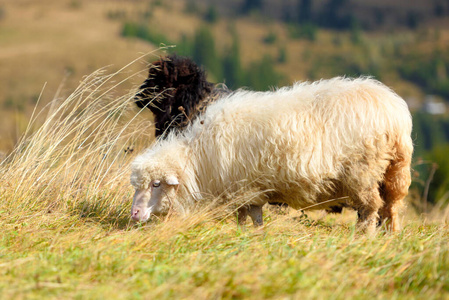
{"x":78,"y":148}
{"x":47,"y":46}
{"x":65,"y":200}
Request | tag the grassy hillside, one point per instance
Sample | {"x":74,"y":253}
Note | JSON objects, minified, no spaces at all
{"x":66,"y":231}
{"x":47,"y":47}
{"x":65,"y":195}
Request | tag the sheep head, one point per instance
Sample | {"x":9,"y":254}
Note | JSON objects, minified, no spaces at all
{"x":156,"y":175}
{"x":154,"y":199}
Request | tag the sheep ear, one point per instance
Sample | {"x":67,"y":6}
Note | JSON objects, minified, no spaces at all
{"x":172,"y":180}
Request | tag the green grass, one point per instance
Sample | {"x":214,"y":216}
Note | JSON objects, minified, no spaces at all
{"x":62,"y":255}
{"x":64,"y":215}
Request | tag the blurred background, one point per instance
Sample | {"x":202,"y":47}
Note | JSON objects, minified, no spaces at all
{"x":48,"y":46}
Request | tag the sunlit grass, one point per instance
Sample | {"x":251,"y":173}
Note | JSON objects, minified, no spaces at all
{"x":66,"y":233}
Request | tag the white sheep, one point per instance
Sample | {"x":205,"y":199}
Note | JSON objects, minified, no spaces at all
{"x":301,"y":145}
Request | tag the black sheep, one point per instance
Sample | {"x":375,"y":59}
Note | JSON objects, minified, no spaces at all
{"x":175,"y":91}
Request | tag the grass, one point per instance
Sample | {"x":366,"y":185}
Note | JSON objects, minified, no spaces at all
{"x":65,"y":256}
{"x":66,"y":233}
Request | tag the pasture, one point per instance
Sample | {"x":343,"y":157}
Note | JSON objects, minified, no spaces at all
{"x":65,"y":199}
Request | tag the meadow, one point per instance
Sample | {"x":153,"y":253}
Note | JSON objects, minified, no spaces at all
{"x":67,"y":140}
{"x":66,"y":232}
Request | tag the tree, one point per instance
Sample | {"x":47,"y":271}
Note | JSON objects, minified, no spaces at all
{"x":413,"y":19}
{"x":332,"y":15}
{"x":304,"y":11}
{"x":251,"y":5}
{"x":439,"y":186}
{"x":232,"y":68}
{"x":356,"y":31}
{"x":211,"y":15}
{"x":282,"y":55}
{"x":306,"y":31}
{"x":184,"y":46}
{"x":262,"y":75}
{"x":204,"y":52}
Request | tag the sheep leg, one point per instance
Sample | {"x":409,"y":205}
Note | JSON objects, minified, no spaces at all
{"x":388,"y":216}
{"x":242,"y":214}
{"x":370,"y":203}
{"x":255,"y":212}
{"x":393,"y":191}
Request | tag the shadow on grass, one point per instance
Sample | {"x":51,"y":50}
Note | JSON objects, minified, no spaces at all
{"x":117,"y":217}
{"x":313,"y":220}
{"x":308,"y":222}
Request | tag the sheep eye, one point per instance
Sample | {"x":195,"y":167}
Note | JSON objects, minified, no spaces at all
{"x":156,"y":184}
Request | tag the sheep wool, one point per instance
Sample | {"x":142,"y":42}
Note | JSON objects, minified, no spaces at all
{"x":301,"y":145}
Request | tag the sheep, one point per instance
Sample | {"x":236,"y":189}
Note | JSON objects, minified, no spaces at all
{"x":175,"y":91}
{"x":304,"y":145}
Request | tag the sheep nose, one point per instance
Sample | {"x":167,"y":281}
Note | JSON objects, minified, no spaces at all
{"x":135,"y":214}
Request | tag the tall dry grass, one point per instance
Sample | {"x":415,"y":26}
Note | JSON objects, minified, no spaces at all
{"x":76,"y":151}
{"x":75,"y":154}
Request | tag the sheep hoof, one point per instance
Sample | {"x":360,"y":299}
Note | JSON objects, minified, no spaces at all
{"x":255,"y":212}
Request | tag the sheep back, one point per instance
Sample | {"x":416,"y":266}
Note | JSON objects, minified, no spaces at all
{"x":308,"y":142}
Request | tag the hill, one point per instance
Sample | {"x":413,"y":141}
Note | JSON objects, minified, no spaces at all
{"x":48,"y":46}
